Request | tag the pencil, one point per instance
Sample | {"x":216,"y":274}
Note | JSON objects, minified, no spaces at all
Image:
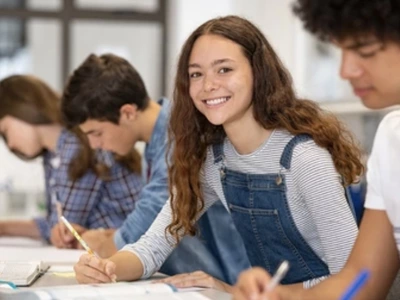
{"x":279,"y":275}
{"x":77,"y":236}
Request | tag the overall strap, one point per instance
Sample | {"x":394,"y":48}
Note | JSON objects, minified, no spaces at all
{"x":286,"y":158}
{"x":218,"y":151}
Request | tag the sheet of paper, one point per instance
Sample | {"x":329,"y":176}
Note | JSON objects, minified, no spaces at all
{"x":173,"y":296}
{"x":48,"y":255}
{"x":61,"y":269}
{"x":20,"y":242}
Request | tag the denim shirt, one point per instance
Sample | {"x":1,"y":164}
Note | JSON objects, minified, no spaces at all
{"x":155,"y":193}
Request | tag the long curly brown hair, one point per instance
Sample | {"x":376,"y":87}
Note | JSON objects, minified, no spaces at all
{"x":275,"y":105}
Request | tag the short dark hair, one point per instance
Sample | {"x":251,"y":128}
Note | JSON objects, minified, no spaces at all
{"x":99,"y":87}
{"x":341,"y":19}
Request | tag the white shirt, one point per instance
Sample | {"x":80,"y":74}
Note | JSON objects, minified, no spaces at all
{"x":383,"y":176}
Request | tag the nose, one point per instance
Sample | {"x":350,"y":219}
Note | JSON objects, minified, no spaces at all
{"x":350,"y":67}
{"x":210,"y":83}
{"x":10,"y":143}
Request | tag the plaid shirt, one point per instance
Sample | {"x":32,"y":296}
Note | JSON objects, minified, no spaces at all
{"x":89,"y":201}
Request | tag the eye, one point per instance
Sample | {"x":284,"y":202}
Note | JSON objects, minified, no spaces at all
{"x":195,"y":75}
{"x":97,"y":134}
{"x":367,"y":54}
{"x":369,"y":51}
{"x":224,"y":70}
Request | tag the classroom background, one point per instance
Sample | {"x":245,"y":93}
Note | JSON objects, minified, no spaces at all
{"x":50,"y":38}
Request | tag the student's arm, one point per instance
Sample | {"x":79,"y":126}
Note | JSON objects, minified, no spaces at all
{"x":20,"y":228}
{"x":151,"y":200}
{"x":375,"y":250}
{"x":137,"y":260}
{"x":101,"y":241}
{"x":91,"y":202}
{"x":141,"y":259}
{"x":78,"y":199}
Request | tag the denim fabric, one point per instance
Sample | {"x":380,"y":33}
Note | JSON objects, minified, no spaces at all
{"x":155,"y":193}
{"x":260,"y":210}
{"x":218,"y":250}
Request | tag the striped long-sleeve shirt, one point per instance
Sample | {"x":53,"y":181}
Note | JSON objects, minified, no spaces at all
{"x":315,"y":196}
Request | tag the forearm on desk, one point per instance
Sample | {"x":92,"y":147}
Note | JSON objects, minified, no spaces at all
{"x":128,"y":266}
{"x":19,"y":228}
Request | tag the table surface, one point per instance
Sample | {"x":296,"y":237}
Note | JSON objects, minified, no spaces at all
{"x":49,"y":279}
{"x":10,"y":249}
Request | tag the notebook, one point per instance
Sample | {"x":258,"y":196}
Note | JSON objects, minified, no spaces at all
{"x":114,"y":291}
{"x":20,"y":273}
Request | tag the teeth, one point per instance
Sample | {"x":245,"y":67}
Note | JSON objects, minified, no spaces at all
{"x":216,"y":101}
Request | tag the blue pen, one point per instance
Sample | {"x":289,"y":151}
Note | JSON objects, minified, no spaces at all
{"x":356,"y":285}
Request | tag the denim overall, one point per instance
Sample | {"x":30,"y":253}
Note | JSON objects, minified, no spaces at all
{"x":260,"y":211}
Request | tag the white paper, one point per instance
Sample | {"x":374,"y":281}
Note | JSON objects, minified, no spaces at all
{"x":48,"y":255}
{"x":20,"y":242}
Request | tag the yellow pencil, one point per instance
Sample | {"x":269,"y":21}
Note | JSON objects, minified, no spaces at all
{"x":77,"y":236}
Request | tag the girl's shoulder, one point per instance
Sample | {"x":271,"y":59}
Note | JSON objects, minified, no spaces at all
{"x":309,"y":153}
{"x":68,"y":146}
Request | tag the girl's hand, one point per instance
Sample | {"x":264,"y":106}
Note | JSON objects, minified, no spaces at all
{"x":197,"y":279}
{"x":91,"y":269}
{"x":251,"y":286}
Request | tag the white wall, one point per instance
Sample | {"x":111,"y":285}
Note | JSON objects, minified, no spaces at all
{"x":273,"y":17}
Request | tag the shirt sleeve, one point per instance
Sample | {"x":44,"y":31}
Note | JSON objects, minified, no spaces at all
{"x":43,"y":227}
{"x":151,"y":200}
{"x":320,"y":185}
{"x":383,"y":189}
{"x":77,"y":197}
{"x":153,"y":248}
{"x":119,"y":196}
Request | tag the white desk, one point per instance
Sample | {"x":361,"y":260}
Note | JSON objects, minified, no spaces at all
{"x":26,"y":249}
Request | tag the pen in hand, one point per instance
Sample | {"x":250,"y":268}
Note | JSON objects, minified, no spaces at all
{"x":278,"y":276}
{"x":356,"y":285}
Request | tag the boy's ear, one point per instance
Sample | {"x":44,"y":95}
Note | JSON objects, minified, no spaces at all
{"x":128,"y":112}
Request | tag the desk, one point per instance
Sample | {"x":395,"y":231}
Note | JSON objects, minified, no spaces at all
{"x":49,"y":279}
{"x":9,"y":247}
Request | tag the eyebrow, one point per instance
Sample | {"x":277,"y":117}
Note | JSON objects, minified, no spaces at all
{"x":358,"y":45}
{"x":214,"y":63}
{"x":89,"y":132}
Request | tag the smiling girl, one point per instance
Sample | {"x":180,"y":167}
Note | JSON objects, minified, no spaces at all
{"x":240,"y":135}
